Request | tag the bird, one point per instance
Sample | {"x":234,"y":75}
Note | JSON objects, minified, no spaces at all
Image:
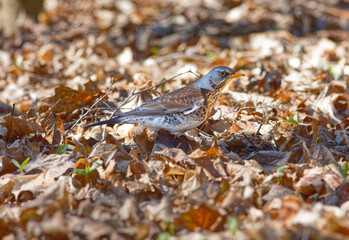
{"x":182,"y":109}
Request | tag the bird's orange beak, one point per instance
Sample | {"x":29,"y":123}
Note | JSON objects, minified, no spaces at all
{"x":236,"y":75}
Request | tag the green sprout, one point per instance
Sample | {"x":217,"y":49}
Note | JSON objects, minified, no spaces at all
{"x":61,"y":149}
{"x":298,"y":48}
{"x":343,"y":171}
{"x":171,"y":228}
{"x":19,"y":61}
{"x":233,"y":225}
{"x":293,"y":121}
{"x":20,"y":166}
{"x":210,"y":54}
{"x":162,"y":85}
{"x":170,"y":232}
{"x":280,"y":170}
{"x":154,"y":50}
{"x":88,"y":169}
{"x":335,"y":74}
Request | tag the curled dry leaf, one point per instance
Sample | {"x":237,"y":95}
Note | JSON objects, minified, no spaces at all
{"x":167,"y":140}
{"x":58,"y":164}
{"x":54,"y":199}
{"x":174,"y":163}
{"x":46,"y":54}
{"x":143,"y":144}
{"x":284,"y":208}
{"x":271,"y":160}
{"x":162,"y":211}
{"x":53,"y":227}
{"x":174,"y":155}
{"x":201,"y":217}
{"x":54,"y":129}
{"x":319,"y":181}
{"x":17,"y":127}
{"x":27,"y":187}
{"x":205,"y":159}
{"x":135,"y":167}
{"x":277,"y":191}
{"x":66,"y":100}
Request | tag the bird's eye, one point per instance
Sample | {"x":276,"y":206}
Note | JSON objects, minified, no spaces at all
{"x":222,"y":73}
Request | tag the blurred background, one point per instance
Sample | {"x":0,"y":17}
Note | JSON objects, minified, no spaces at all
{"x":45,"y":43}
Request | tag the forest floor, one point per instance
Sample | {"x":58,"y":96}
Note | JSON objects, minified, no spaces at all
{"x":271,"y":163}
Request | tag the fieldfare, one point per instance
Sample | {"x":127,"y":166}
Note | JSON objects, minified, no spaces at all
{"x":182,"y":109}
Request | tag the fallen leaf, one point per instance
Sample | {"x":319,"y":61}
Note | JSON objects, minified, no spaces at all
{"x":200,"y":217}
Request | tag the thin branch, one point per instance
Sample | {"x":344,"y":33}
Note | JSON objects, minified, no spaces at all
{"x":114,"y":79}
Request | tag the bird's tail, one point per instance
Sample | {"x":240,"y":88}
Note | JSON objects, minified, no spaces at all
{"x":109,"y":121}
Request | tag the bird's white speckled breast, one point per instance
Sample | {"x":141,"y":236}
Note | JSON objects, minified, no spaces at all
{"x":169,"y":122}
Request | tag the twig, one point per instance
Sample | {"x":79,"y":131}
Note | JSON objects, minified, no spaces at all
{"x":256,"y":107}
{"x":259,"y":128}
{"x":116,"y":109}
{"x":124,"y":102}
{"x":243,"y":134}
{"x":309,"y":155}
{"x":166,"y":80}
{"x":90,"y":109}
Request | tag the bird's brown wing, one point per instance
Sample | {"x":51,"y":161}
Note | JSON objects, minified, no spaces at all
{"x":185,"y":100}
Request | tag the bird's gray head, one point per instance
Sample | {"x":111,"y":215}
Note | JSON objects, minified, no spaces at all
{"x":216,"y":78}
